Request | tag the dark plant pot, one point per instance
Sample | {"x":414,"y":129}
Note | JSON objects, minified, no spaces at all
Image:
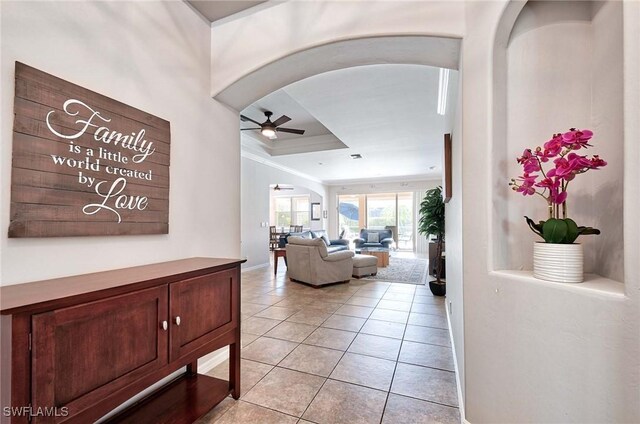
{"x":437,"y":289}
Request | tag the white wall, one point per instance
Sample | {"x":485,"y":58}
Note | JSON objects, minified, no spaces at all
{"x":256,"y":178}
{"x":607,"y":99}
{"x":153,"y":56}
{"x":538,"y":352}
{"x":454,"y":238}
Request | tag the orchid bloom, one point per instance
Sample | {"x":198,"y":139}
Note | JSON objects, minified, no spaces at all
{"x":576,"y":138}
{"x":549,"y":183}
{"x":554,"y":146}
{"x":596,"y":162}
{"x":558,"y":197}
{"x":529,"y":162}
{"x":553,"y":183}
{"x":579,"y":163}
{"x":526,"y":188}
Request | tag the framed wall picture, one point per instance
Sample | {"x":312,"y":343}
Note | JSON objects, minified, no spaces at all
{"x":446,"y":169}
{"x":316,"y":211}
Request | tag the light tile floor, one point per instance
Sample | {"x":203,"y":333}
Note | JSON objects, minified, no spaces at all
{"x":363,"y":352}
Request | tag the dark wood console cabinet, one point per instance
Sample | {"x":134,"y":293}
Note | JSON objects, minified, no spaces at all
{"x":75,"y":348}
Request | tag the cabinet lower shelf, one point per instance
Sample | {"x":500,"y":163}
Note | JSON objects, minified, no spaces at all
{"x":182,"y":401}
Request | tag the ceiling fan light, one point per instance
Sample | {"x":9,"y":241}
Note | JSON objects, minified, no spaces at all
{"x":268,"y":132}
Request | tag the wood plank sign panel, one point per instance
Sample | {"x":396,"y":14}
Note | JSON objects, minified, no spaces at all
{"x":85,"y":164}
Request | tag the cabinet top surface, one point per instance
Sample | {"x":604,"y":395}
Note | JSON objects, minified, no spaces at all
{"x":27,"y":296}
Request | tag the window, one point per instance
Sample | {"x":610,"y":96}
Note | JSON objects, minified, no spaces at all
{"x":378,"y":211}
{"x":405,"y":221}
{"x":381,"y":210}
{"x":300,"y":211}
{"x":290,"y":210}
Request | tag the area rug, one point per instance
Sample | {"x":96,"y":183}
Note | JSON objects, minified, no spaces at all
{"x":402,"y":270}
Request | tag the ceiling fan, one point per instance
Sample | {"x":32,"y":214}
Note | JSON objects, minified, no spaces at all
{"x":278,"y":188}
{"x":268,"y":128}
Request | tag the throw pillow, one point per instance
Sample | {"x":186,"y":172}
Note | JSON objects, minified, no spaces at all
{"x":326,"y":239}
{"x":373,"y":238}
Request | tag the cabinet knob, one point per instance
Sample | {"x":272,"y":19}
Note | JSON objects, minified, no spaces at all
{"x":177,"y":320}
{"x":165,"y":325}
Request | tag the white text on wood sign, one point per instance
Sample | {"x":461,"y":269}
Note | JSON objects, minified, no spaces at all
{"x":85,"y":164}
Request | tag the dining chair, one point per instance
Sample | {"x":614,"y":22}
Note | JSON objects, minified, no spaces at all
{"x":273,"y":237}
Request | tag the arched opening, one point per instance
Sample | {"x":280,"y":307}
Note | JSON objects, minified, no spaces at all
{"x":432,"y":52}
{"x":417,"y":50}
{"x":545,"y":97}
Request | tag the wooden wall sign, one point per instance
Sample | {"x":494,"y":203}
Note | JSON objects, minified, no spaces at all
{"x":85,"y":164}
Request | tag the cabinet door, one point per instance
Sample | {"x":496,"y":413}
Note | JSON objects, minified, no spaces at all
{"x":82,"y":354}
{"x":202,"y":309}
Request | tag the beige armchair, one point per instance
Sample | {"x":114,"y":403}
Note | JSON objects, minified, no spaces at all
{"x":309,"y":262}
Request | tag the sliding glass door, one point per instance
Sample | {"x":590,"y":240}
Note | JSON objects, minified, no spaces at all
{"x":378,"y":211}
{"x":381,"y":210}
{"x":350,"y":217}
{"x":405,"y":221}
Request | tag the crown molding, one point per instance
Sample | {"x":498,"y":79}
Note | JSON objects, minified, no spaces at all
{"x":386,"y":180}
{"x":265,"y":161}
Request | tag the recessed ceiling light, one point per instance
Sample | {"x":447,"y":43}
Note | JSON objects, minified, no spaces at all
{"x":356,"y":156}
{"x":432,"y":168}
{"x":320,"y":163}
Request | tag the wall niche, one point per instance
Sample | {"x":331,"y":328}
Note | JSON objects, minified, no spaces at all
{"x":562,"y":68}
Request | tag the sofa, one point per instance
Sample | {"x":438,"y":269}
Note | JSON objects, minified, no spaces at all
{"x":332,"y":245}
{"x":310,"y":262}
{"x":374,"y":238}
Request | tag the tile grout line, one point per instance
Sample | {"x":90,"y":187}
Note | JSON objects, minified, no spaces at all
{"x":271,"y":370}
{"x":334,"y":367}
{"x":393,"y":376}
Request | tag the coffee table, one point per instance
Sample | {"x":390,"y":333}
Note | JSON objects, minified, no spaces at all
{"x":381,"y":253}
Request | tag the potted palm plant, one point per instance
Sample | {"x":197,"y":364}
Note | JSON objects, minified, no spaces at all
{"x":432,"y":223}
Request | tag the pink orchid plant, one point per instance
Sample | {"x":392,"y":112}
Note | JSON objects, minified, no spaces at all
{"x":563,"y":164}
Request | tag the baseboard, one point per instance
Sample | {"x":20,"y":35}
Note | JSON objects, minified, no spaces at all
{"x":214,"y":361}
{"x":251,"y":268}
{"x":463,"y":419}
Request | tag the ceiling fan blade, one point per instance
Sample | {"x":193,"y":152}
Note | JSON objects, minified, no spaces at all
{"x":247,"y":129}
{"x":290,"y":130}
{"x":246,"y":118}
{"x":281,"y":120}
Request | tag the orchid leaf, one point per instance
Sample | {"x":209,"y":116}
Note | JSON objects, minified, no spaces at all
{"x":536,"y":228}
{"x":585,"y":231}
{"x":572,"y":231}
{"x":554,"y":230}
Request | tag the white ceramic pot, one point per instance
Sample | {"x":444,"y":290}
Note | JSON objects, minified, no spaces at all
{"x":561,"y":263}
